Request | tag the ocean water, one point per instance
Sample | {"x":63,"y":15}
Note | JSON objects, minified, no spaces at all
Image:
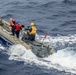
{"x":57,"y":18}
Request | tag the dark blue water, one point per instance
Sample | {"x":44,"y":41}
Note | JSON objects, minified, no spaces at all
{"x":55,"y":17}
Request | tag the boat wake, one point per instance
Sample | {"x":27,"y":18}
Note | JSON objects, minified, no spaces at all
{"x":63,"y":60}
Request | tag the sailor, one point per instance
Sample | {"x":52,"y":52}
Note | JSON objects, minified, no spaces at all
{"x":22,"y":31}
{"x":32,"y":32}
{"x":17,"y":29}
{"x":12,"y":26}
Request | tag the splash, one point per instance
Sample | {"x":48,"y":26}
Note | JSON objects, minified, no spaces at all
{"x":20,"y":53}
{"x":1,"y":47}
{"x":59,"y":42}
{"x":63,"y":60}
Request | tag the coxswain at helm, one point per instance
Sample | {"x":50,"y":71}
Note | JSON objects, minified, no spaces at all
{"x":32,"y":32}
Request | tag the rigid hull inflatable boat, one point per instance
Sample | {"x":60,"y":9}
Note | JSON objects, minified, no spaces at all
{"x":38,"y":48}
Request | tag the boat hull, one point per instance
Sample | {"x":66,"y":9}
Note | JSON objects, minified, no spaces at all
{"x":38,"y":48}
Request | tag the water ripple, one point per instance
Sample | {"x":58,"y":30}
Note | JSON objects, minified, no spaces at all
{"x":72,"y":11}
{"x":13,"y":3}
{"x":69,"y":23}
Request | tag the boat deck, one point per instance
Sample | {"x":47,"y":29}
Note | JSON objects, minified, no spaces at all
{"x":38,"y":48}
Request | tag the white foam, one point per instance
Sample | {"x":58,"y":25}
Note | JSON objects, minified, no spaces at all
{"x":63,"y":60}
{"x":19,"y":52}
{"x":1,"y":47}
{"x":58,"y":41}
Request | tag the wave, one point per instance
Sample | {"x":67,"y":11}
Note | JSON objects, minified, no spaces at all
{"x":70,"y":2}
{"x":69,"y":23}
{"x":64,"y":59}
{"x":13,"y":3}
